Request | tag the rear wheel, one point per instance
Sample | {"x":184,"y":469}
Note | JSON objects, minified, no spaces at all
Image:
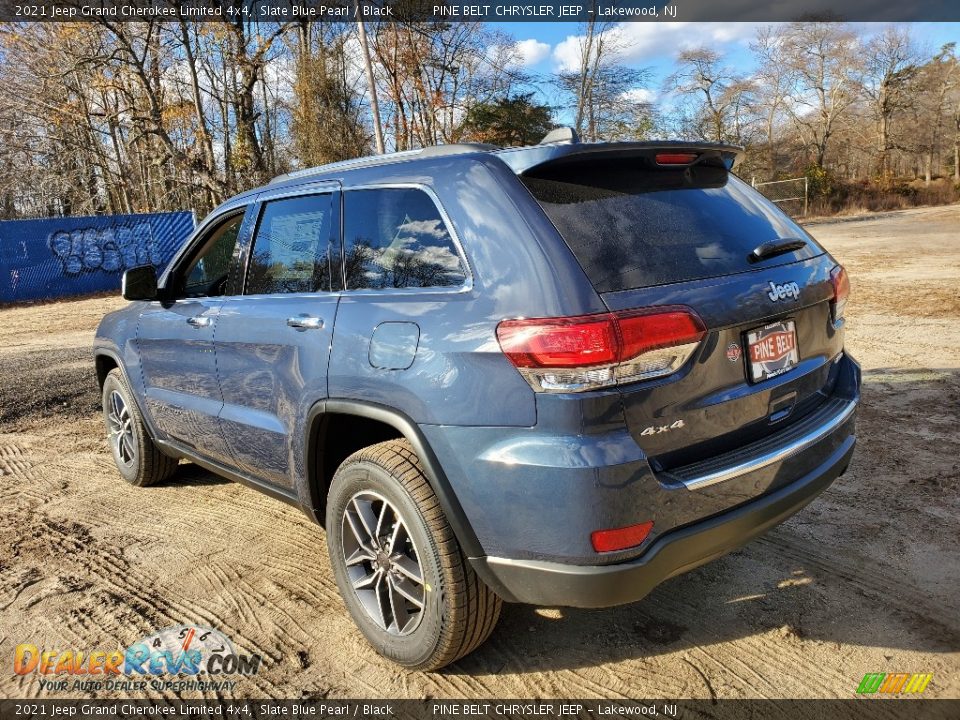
{"x":398,"y":565}
{"x":137,"y":458}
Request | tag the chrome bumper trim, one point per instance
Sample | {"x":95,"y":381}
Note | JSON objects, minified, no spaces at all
{"x":773,"y":456}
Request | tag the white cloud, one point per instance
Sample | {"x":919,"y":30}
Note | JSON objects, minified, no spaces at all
{"x":645,"y":41}
{"x":640,"y":95}
{"x":567,"y":53}
{"x":355,"y":72}
{"x":531,"y":52}
{"x":279,"y":72}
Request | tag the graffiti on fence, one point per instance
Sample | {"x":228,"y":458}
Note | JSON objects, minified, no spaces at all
{"x":70,"y":256}
{"x":109,"y":249}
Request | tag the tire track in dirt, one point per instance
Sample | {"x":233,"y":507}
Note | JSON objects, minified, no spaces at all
{"x":120,"y":583}
{"x":874,"y":586}
{"x":16,"y":471}
{"x":747,"y":659}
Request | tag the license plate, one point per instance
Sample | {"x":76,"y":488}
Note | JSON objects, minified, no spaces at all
{"x":772,"y":350}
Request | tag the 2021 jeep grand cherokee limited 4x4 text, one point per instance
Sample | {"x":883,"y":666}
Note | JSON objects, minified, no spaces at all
{"x":556,"y":374}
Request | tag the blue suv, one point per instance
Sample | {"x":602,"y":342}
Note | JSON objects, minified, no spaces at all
{"x":556,"y":374}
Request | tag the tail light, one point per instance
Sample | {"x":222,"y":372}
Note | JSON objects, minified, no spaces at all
{"x":841,"y":292}
{"x":588,"y":352}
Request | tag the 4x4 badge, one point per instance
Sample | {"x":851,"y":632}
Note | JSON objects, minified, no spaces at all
{"x":657,"y":429}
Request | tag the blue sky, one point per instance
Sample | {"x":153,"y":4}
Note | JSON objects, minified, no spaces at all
{"x":654,"y":45}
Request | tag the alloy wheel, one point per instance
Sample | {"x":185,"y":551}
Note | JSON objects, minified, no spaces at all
{"x":120,"y":430}
{"x":383,"y":564}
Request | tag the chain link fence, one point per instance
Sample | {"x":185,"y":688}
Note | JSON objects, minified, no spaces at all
{"x":792,"y":194}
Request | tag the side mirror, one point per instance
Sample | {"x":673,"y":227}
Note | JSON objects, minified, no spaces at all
{"x":139,"y":283}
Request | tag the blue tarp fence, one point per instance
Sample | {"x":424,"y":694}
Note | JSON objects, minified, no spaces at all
{"x":60,"y":257}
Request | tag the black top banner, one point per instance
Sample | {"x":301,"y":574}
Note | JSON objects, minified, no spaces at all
{"x":573,"y":11}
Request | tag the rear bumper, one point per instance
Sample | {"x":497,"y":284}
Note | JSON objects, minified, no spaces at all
{"x":557,"y":584}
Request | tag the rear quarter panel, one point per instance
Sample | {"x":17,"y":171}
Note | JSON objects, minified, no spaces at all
{"x":518,"y":267}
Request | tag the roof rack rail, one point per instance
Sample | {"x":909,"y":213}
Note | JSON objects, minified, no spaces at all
{"x":430,"y":151}
{"x":456,"y":148}
{"x":560,"y":135}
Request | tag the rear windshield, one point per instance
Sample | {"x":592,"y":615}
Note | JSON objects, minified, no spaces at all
{"x":639,"y":226}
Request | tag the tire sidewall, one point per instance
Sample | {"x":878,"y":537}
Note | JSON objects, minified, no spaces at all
{"x":134,"y":472}
{"x":417,"y":647}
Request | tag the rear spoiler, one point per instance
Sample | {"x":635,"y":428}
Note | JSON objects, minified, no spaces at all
{"x":554,"y":154}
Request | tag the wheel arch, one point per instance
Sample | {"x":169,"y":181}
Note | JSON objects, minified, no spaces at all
{"x":105,"y":362}
{"x":318,"y":427}
{"x":107,"y":359}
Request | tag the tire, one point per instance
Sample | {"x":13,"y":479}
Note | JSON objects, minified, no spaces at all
{"x":137,"y":458}
{"x":385,"y":485}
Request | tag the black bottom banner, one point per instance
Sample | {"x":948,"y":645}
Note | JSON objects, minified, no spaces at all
{"x":891,"y":708}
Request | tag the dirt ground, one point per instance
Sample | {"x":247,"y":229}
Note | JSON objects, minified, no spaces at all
{"x":865,"y":579}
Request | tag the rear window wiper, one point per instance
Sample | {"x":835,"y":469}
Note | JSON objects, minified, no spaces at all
{"x":772,"y":248}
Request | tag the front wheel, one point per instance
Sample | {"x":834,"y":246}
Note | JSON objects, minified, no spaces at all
{"x":137,"y":457}
{"x":398,"y":565}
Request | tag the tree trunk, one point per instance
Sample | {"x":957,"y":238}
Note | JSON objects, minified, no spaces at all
{"x":371,"y":83}
{"x":585,"y":53}
{"x":771,"y":149}
{"x":205,"y":139}
{"x":883,"y":147}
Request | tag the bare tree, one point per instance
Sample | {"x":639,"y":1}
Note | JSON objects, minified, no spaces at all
{"x":606,"y":98}
{"x":890,"y":65}
{"x":822,"y":60}
{"x":719,"y":96}
{"x":433,"y":73}
{"x":326,"y":124}
{"x":145,"y":116}
{"x":771,"y":88}
{"x":936,"y":107}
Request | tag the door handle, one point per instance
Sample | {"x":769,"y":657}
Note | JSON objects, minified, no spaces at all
{"x":199,"y":321}
{"x":305,"y":323}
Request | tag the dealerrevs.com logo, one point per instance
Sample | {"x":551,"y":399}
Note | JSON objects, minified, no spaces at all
{"x":201,"y":658}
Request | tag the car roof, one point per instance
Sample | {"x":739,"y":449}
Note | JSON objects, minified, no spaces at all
{"x":557,"y":145}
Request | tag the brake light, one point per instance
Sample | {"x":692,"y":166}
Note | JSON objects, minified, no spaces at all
{"x":675,"y":158}
{"x":620,"y":538}
{"x":644,"y":332}
{"x":588,"y":352}
{"x":841,"y":292}
{"x":559,"y":342}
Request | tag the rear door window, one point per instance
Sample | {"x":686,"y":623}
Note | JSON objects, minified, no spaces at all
{"x":632,"y":226}
{"x":396,"y":238}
